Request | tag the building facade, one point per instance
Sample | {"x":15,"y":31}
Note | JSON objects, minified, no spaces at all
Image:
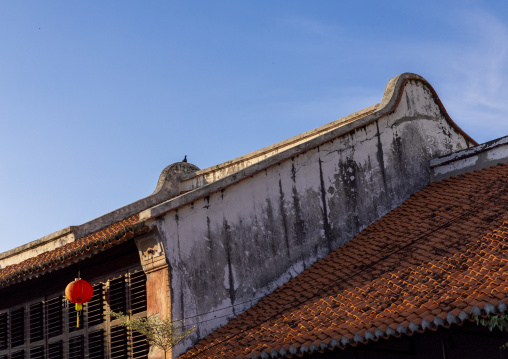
{"x":209,"y":244}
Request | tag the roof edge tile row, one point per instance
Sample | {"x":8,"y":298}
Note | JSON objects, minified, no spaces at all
{"x":375,"y":334}
{"x":72,"y":253}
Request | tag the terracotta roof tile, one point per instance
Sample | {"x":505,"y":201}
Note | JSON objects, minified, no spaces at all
{"x":83,"y":247}
{"x":428,"y":263}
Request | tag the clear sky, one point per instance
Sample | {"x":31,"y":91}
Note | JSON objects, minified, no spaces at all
{"x":97,"y":97}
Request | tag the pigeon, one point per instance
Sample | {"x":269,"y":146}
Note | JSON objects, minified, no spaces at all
{"x":185,"y":159}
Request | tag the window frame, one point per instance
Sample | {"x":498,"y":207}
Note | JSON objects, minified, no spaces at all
{"x":68,"y":335}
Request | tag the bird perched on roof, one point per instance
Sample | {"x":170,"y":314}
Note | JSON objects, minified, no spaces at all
{"x":185,"y":159}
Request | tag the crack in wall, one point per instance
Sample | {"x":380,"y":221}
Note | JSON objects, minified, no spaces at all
{"x":227,"y":248}
{"x":380,"y":157}
{"x":284,"y":217}
{"x":326,"y":224}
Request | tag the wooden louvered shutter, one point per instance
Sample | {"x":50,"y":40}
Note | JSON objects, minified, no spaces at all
{"x":96,"y":345}
{"x":54,"y":316}
{"x":18,"y":327}
{"x":18,"y":355}
{"x":55,"y":350}
{"x":117,"y":302}
{"x":96,"y":306}
{"x":37,"y":352}
{"x":140,"y":347}
{"x":119,"y":345}
{"x":76,"y":347}
{"x":36,"y":327}
{"x":138,"y":292}
{"x":4,"y":331}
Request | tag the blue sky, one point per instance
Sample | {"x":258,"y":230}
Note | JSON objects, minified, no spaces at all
{"x":97,"y":97}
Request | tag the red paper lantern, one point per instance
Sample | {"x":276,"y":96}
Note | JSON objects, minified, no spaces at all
{"x":79,"y":292}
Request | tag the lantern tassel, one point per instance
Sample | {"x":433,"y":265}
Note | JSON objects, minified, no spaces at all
{"x":79,"y":308}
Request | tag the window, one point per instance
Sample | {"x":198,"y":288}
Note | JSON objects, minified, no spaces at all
{"x":46,"y":328}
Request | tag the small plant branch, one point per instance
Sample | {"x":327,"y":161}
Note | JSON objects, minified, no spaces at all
{"x":161,"y":333}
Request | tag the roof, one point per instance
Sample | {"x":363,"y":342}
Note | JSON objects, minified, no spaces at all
{"x":73,"y":252}
{"x":181,"y":184}
{"x":432,"y":261}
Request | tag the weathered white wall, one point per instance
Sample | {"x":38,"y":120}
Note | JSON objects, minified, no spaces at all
{"x":471,"y":159}
{"x":34,"y":248}
{"x":217,"y":172}
{"x":232,"y":247}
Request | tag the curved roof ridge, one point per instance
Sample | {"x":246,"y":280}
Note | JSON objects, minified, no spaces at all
{"x":391,"y":98}
{"x":218,"y":177}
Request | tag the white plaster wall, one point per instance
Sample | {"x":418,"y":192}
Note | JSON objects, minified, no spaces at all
{"x":217,"y":172}
{"x":235,"y":246}
{"x":469,"y":160}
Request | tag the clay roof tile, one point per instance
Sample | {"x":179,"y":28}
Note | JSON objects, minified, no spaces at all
{"x":440,"y":254}
{"x":73,"y":251}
